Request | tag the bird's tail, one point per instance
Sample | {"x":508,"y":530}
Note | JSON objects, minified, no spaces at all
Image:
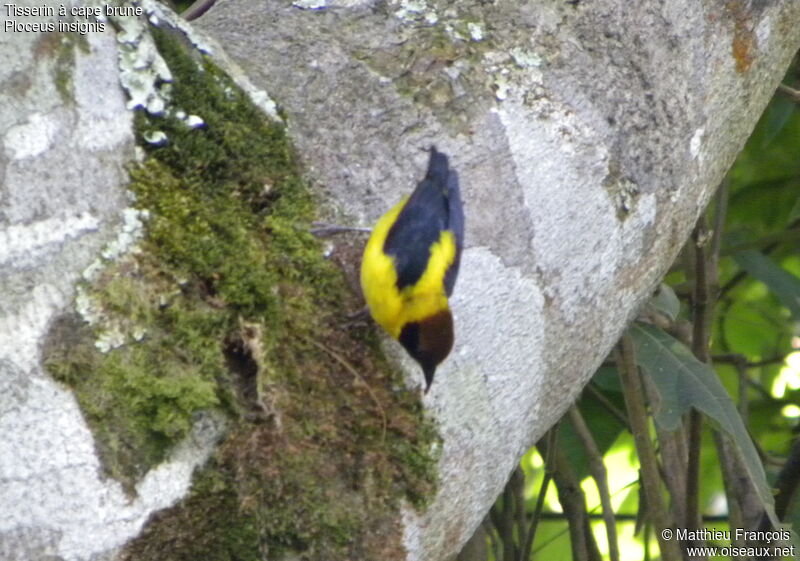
{"x":438,"y":168}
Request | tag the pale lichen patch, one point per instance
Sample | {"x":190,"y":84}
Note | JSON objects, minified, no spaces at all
{"x":476,"y":31}
{"x":24,"y":241}
{"x":133,"y":220}
{"x":415,"y":10}
{"x":310,"y":4}
{"x":525,"y":58}
{"x":143,"y":73}
{"x":31,"y":138}
{"x":113,"y":330}
{"x":696,"y":143}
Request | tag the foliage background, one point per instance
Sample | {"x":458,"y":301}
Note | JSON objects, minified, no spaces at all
{"x":748,"y":244}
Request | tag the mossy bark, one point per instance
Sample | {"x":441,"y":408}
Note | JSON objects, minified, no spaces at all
{"x":228,"y":304}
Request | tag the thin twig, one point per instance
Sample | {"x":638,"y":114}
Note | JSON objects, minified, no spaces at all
{"x":497,"y":542}
{"x":503,"y":518}
{"x":197,"y":9}
{"x":530,"y":534}
{"x":672,"y":450}
{"x":610,"y":407}
{"x":573,"y":502}
{"x":701,"y":307}
{"x":626,"y":517}
{"x":674,"y":459}
{"x":769,"y":248}
{"x":742,"y":403}
{"x":741,"y":360}
{"x":518,"y":477}
{"x":637,"y":416}
{"x":513,"y":512}
{"x":786,"y":485}
{"x":703,"y":295}
{"x":790,"y":234}
{"x":494,"y":516}
{"x":506,"y":527}
{"x":322,"y":229}
{"x":791,"y":92}
{"x":729,"y":467}
{"x":735,"y":280}
{"x":634,"y":517}
{"x":599,"y":474}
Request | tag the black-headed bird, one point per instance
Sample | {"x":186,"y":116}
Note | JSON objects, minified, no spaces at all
{"x":411,"y":263}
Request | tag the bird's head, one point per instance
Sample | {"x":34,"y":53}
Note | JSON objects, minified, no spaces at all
{"x":429,"y":341}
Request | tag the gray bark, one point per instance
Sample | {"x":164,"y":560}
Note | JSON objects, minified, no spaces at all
{"x":587,"y":137}
{"x":67,"y":138}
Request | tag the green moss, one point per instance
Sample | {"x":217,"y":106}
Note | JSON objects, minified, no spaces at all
{"x":199,"y":530}
{"x":139,"y":398}
{"x":230,"y":305}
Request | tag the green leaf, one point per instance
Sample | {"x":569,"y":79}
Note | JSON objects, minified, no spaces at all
{"x":684,"y":382}
{"x":754,"y":328}
{"x":776,"y":117}
{"x":781,"y":282}
{"x":794,"y":214}
{"x":666,"y":301}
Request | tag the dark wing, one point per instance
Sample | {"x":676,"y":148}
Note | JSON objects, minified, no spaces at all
{"x":434,"y":206}
{"x":456,"y":225}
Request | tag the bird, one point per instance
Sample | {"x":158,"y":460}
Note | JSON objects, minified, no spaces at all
{"x":411,"y":263}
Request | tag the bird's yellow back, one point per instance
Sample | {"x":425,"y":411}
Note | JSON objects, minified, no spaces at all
{"x":411,"y":262}
{"x":393,"y":308}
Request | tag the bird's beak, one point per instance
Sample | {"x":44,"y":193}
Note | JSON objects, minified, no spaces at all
{"x":429,"y":372}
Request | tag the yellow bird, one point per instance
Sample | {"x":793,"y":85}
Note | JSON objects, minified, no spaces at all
{"x":411,"y":263}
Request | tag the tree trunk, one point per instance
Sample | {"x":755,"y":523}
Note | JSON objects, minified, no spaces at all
{"x":588,"y":137}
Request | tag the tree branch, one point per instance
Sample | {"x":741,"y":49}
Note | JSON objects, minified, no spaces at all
{"x":786,"y":484}
{"x":637,"y":415}
{"x":741,"y":360}
{"x":793,"y":94}
{"x":610,"y":407}
{"x":598,"y":470}
{"x":197,"y":9}
{"x":573,"y":501}
{"x":530,"y":535}
{"x":701,"y":315}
